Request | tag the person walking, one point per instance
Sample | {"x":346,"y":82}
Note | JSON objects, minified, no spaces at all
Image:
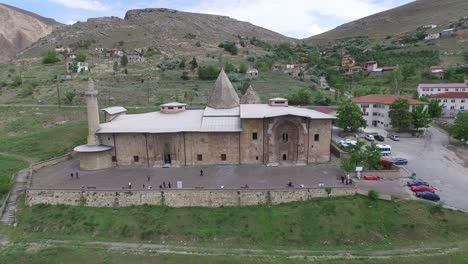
{"x":342,"y":179}
{"x":71,"y":175}
{"x":201,"y":172}
{"x":148,"y":177}
{"x":164,"y":184}
{"x":348,"y":179}
{"x":143,"y":185}
{"x":129,"y":185}
{"x":169,"y":185}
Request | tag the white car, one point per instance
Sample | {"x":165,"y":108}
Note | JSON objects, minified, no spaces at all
{"x":346,"y":142}
{"x":369,"y":137}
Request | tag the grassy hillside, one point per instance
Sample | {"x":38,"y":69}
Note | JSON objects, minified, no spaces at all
{"x":398,"y":20}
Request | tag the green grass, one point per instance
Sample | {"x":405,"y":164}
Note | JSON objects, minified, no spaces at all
{"x":335,"y":222}
{"x":8,"y":168}
{"x":47,"y":142}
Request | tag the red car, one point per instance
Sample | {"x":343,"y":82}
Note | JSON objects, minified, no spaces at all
{"x":422,"y":188}
{"x":371,"y":178}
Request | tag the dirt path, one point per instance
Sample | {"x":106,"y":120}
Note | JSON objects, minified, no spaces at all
{"x":139,"y":248}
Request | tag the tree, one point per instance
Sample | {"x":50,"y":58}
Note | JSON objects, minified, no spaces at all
{"x":229,"y":47}
{"x":395,"y":78}
{"x":182,"y":64}
{"x":124,"y":60}
{"x":434,"y":108}
{"x":229,"y":67}
{"x":400,"y":116}
{"x":81,"y":57}
{"x":209,"y":72}
{"x":243,"y":68}
{"x":420,"y":116}
{"x":301,"y":97}
{"x":459,"y":130}
{"x":50,"y":57}
{"x":70,"y":96}
{"x":193,"y":64}
{"x":349,"y":116}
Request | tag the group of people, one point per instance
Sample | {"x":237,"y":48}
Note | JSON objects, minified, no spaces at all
{"x":346,"y":179}
{"x":164,"y":186}
{"x":74,"y":175}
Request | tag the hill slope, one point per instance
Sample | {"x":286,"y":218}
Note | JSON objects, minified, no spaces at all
{"x":164,"y":29}
{"x":19,"y":29}
{"x":404,"y":18}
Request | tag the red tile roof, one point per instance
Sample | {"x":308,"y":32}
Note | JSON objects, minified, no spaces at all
{"x":450,"y":95}
{"x":387,"y":99}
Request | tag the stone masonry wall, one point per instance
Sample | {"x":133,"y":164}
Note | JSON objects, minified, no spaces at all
{"x":179,"y":198}
{"x":319,"y":151}
{"x":251,"y":150}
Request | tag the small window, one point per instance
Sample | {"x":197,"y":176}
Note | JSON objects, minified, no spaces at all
{"x":254,"y":136}
{"x":170,"y":107}
{"x":453,"y":100}
{"x":136,"y":158}
{"x":114,"y":158}
{"x":180,"y":107}
{"x":199,"y":157}
{"x":285,"y":137}
{"x":223,"y":156}
{"x":256,"y":158}
{"x":462,"y":100}
{"x":316,"y":137}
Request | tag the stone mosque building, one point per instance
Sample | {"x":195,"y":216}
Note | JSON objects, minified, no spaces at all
{"x":228,"y":130}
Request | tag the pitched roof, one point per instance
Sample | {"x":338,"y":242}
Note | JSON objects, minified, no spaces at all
{"x":250,"y":97}
{"x":114,"y":110}
{"x":385,"y":99}
{"x":266,"y":111}
{"x":450,"y":95}
{"x":223,"y":95}
{"x":173,"y":104}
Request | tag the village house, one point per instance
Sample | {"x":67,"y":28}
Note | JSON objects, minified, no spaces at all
{"x":447,"y":33}
{"x":370,"y":66}
{"x":115,"y":52}
{"x":429,"y":26}
{"x":69,"y":55}
{"x":277,"y":67}
{"x":376,"y":107}
{"x":347,"y":61}
{"x":355,"y":69}
{"x":437,"y":71}
{"x":452,"y":102}
{"x":427,"y":89}
{"x":431,"y":36}
{"x":252,"y":73}
{"x":77,"y":66}
{"x":135,"y":56}
{"x":224,"y":132}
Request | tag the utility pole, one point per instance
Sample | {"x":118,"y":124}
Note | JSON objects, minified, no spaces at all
{"x":58,"y":95}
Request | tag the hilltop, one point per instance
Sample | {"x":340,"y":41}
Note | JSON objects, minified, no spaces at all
{"x":20,"y":28}
{"x":169,"y":31}
{"x":398,"y":20}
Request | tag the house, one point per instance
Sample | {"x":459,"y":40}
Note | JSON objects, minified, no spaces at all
{"x":135,"y":56}
{"x":77,"y":66}
{"x":438,"y":71}
{"x":427,"y":89}
{"x":347,"y":61}
{"x":115,"y":52}
{"x":69,"y":55}
{"x":277,"y":67}
{"x":370,"y":66}
{"x":429,"y":26}
{"x":253,"y":73}
{"x":357,"y":69}
{"x":63,"y":50}
{"x":289,"y":66}
{"x":110,"y":113}
{"x":431,"y":36}
{"x":383,"y":70}
{"x":452,"y":102}
{"x":447,"y":33}
{"x":376,"y":107}
{"x":224,"y":132}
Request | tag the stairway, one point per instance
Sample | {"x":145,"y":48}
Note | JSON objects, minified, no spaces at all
{"x":8,"y":214}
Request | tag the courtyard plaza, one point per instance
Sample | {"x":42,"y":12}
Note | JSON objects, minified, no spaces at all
{"x":214,"y":177}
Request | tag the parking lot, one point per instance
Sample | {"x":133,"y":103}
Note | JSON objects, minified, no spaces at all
{"x":433,"y":160}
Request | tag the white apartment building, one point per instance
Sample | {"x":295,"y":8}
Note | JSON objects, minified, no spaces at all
{"x":427,"y":89}
{"x":452,"y":102}
{"x":375,"y":108}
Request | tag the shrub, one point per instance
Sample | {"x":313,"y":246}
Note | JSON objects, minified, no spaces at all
{"x":70,"y":96}
{"x":124,"y":61}
{"x":185,"y":76}
{"x":209,"y":72}
{"x":373,"y":195}
{"x":229,"y":67}
{"x":243,"y":68}
{"x":81,"y":57}
{"x":50,"y":57}
{"x":169,"y":63}
{"x":301,"y":97}
{"x":229,"y":47}
{"x":17,"y":81}
{"x":26,"y":91}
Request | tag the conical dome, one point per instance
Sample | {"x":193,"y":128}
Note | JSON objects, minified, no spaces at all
{"x":223,"y":95}
{"x":250,"y":97}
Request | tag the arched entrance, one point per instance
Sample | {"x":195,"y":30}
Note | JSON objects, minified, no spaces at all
{"x":286,"y":135}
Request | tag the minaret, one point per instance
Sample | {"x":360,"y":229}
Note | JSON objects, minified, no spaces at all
{"x":93,"y":112}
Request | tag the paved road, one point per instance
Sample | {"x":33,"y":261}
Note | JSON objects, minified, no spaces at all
{"x":435,"y":163}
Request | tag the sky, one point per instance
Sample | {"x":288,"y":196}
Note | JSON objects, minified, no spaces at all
{"x":293,"y":18}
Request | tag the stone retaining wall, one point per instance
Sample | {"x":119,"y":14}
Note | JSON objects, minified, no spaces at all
{"x":392,"y":174}
{"x":180,"y":198}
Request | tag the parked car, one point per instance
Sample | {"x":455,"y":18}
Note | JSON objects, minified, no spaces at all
{"x":422,"y":188}
{"x":379,"y":138}
{"x":399,"y":161}
{"x":346,"y":142}
{"x":369,"y":137}
{"x":428,"y":196}
{"x":371,"y":178}
{"x":395,"y":137}
{"x":417,"y":183}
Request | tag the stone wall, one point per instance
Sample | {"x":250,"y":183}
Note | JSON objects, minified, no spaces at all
{"x":394,"y":173}
{"x":180,"y":198}
{"x":211,"y":146}
{"x":251,"y":150}
{"x":319,"y":141}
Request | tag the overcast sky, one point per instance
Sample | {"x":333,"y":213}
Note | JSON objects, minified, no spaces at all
{"x":294,"y":18}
